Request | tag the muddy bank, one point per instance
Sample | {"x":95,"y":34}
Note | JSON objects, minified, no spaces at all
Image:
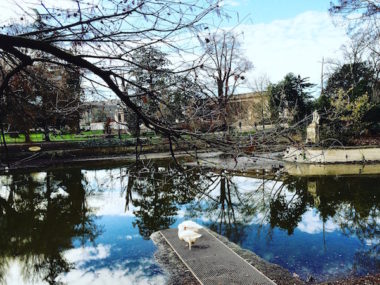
{"x":65,"y":150}
{"x":366,"y":280}
{"x":56,"y":154}
{"x":78,"y":153}
{"x":43,"y":162}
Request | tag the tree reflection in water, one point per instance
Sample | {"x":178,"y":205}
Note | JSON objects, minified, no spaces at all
{"x":158,"y":192}
{"x":225,"y":206}
{"x":353,"y":204}
{"x":40,"y":214}
{"x":222,"y":206}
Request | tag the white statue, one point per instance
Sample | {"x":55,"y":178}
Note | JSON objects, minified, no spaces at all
{"x":316,"y":117}
{"x":312,"y":131}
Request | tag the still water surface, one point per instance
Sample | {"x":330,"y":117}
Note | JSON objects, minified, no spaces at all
{"x":92,"y":226}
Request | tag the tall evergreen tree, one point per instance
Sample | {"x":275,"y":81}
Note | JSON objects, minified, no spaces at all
{"x":292,"y":95}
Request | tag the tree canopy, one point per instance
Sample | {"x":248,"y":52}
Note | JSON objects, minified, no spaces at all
{"x":356,"y":78}
{"x":44,"y":98}
{"x":363,"y":20}
{"x":290,"y":95}
{"x":101,"y":40}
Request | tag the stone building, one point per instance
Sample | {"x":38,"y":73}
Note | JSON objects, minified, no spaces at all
{"x":96,"y":115}
{"x":247,"y":110}
{"x":244,"y":111}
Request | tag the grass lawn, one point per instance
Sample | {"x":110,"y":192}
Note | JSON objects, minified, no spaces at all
{"x":39,"y":137}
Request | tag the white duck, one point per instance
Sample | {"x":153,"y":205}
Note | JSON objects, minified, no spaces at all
{"x":188,"y":236}
{"x":189,"y":225}
{"x":188,"y":232}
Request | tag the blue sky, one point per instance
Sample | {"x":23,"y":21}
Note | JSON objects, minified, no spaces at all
{"x":282,"y":36}
{"x":278,"y":36}
{"x":266,"y":11}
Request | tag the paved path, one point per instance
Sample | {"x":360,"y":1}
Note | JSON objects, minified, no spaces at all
{"x":213,"y":263}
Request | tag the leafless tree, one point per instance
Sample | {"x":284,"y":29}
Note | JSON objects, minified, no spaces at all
{"x":363,"y":20}
{"x":100,"y":38}
{"x":223,"y":71}
{"x":362,"y":17}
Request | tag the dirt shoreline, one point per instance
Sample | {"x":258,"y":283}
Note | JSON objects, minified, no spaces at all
{"x":38,"y":161}
{"x":21,"y":159}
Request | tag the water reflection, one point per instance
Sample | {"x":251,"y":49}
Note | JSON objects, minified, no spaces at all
{"x":331,"y":224}
{"x":257,"y":212}
{"x":40,"y":215}
{"x":77,"y":226}
{"x":158,"y":192}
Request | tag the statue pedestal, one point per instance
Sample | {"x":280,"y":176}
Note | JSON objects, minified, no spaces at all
{"x":312,"y":133}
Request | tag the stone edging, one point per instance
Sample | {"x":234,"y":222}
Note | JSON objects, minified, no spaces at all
{"x":179,"y":273}
{"x":332,"y":155}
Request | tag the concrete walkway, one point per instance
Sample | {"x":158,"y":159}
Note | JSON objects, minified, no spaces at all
{"x":212,"y":262}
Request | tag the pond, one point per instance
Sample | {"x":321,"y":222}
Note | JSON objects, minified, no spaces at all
{"x":92,"y":226}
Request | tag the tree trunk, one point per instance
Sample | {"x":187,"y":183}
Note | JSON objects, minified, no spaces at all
{"x":46,"y":133}
{"x":27,"y":137}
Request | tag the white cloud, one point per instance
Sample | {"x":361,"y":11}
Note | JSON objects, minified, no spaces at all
{"x":13,"y":10}
{"x":80,"y":255}
{"x":233,"y":3}
{"x":110,"y":204}
{"x":109,"y":198}
{"x":8,"y":11}
{"x":118,"y":275}
{"x":312,"y":224}
{"x":294,"y":45}
{"x":130,"y":237}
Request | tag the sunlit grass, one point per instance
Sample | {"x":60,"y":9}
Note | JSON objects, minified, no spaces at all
{"x":40,"y":137}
